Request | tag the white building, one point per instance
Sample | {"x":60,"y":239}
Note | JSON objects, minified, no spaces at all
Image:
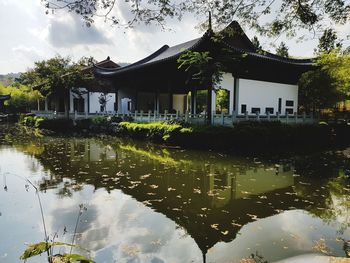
{"x":256,"y":81}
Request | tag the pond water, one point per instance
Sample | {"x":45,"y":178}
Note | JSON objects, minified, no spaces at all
{"x":146,"y":203}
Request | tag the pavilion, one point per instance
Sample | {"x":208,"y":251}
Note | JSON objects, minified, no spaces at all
{"x":257,"y":82}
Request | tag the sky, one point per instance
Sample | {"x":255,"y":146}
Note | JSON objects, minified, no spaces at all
{"x":29,"y":35}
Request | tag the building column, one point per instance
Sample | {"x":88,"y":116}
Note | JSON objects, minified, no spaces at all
{"x":86,"y":102}
{"x":213,"y":101}
{"x":193,"y":101}
{"x":209,"y":104}
{"x":116,"y":102}
{"x":156,"y":101}
{"x":236,"y":95}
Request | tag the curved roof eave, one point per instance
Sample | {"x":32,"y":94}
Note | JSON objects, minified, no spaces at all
{"x":148,"y":60}
{"x":272,"y":57}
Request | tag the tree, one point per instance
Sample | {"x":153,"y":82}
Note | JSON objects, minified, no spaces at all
{"x":337,"y":65}
{"x":57,"y":76}
{"x":328,"y":42}
{"x":256,"y":43}
{"x":23,"y":99}
{"x":316,"y":91}
{"x":268,"y":17}
{"x":222,"y":99}
{"x":328,"y":84}
{"x":282,"y":50}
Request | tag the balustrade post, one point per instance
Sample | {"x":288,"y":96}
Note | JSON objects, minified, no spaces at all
{"x":233,"y":116}
{"x":268,"y":116}
{"x":135,"y":115}
{"x":246,"y":115}
{"x":165,"y":115}
{"x":278,"y":115}
{"x":186,"y":116}
{"x":222,"y":118}
{"x":141,"y":116}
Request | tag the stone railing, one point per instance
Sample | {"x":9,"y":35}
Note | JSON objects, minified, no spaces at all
{"x":217,"y":119}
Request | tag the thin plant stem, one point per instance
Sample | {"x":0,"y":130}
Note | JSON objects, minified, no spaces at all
{"x":76,"y":226}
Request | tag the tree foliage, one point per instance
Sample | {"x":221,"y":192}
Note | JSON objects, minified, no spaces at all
{"x":328,"y":84}
{"x":328,"y":42}
{"x":23,"y":99}
{"x":56,"y":75}
{"x":202,"y":67}
{"x":256,"y":43}
{"x":222,"y":99}
{"x":288,"y":16}
{"x":316,"y":91}
{"x":282,"y":50}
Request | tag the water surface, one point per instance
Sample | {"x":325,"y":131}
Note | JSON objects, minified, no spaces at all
{"x":147,"y":203}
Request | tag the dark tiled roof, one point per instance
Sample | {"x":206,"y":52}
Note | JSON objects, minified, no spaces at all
{"x":163,"y":54}
{"x":238,"y":42}
{"x":175,"y":50}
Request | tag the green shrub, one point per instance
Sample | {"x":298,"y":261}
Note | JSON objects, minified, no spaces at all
{"x":58,"y":125}
{"x":38,"y":121}
{"x":28,"y":121}
{"x":153,"y":131}
{"x":100,"y":120}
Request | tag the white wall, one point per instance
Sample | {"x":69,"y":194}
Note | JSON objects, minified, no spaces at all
{"x":262,"y":94}
{"x":123,"y":94}
{"x":95,"y":105}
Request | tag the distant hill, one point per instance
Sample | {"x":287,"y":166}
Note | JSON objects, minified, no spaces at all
{"x":9,"y":78}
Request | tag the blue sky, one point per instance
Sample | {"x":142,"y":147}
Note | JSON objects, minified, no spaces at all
{"x":28,"y":35}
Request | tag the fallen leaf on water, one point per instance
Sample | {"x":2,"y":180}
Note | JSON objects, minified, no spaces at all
{"x":215,"y":226}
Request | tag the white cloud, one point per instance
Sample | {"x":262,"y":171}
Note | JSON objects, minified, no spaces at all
{"x":27,"y":54}
{"x":68,"y":31}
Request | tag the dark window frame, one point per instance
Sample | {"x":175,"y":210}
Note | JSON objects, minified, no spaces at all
{"x":289,"y":103}
{"x":243,"y":106}
{"x":254,"y":110}
{"x":270,"y":110}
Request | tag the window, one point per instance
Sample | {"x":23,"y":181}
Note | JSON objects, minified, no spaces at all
{"x":256,"y":110}
{"x":289,"y":111}
{"x":289,"y":103}
{"x":269,"y":110}
{"x":280,"y":105}
{"x":243,"y":108}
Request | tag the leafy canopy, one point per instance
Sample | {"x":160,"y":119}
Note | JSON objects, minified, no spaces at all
{"x":22,"y":99}
{"x":328,"y":83}
{"x":202,"y":67}
{"x":328,"y":42}
{"x":282,"y":50}
{"x":268,"y":17}
{"x":57,"y":75}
